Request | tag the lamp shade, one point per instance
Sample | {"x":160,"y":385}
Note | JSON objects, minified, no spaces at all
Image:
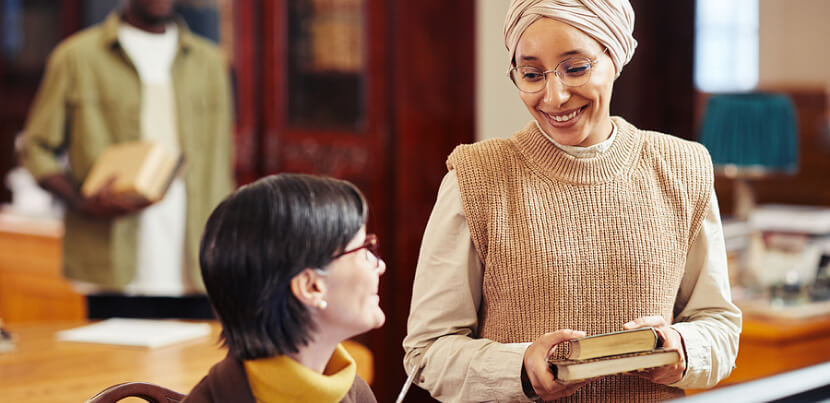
{"x":756,"y":131}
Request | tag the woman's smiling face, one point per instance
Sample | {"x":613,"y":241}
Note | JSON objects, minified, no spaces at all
{"x":575,"y":116}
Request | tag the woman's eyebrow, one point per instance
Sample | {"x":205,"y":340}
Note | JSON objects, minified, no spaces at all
{"x":564,"y":54}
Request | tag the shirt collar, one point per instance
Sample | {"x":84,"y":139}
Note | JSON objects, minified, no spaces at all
{"x":583,"y":152}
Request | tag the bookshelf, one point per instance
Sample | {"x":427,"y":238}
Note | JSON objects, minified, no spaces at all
{"x":28,"y":32}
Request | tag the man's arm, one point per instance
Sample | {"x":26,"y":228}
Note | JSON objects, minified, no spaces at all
{"x":103,"y":204}
{"x":45,"y":137}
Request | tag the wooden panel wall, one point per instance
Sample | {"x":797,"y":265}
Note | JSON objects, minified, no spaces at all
{"x":434,"y":111}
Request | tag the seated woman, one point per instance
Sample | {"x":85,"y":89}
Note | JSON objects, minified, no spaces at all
{"x":291,"y":273}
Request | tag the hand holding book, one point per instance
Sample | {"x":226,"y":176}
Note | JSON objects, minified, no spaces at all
{"x":670,"y":340}
{"x":537,"y":371}
{"x":129,"y":176}
{"x":103,"y":203}
{"x":106,"y":203}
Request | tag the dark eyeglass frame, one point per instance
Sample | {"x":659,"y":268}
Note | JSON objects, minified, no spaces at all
{"x":371,"y":244}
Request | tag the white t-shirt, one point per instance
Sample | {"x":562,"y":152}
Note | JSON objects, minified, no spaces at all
{"x":160,"y":265}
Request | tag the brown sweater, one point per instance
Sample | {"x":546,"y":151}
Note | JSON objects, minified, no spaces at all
{"x":585,"y":244}
{"x":227,"y":382}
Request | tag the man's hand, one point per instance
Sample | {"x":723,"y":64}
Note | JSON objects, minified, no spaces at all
{"x":538,"y":371}
{"x":671,"y":340}
{"x":106,"y":204}
{"x":103,"y":204}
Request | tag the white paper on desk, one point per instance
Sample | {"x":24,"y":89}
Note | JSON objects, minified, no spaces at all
{"x":150,"y":333}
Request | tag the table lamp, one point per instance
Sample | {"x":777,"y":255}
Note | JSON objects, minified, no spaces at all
{"x":749,"y":136}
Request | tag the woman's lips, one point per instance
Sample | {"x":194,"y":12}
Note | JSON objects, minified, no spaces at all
{"x":564,"y":120}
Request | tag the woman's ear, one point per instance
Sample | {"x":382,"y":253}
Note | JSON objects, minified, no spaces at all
{"x":309,"y":287}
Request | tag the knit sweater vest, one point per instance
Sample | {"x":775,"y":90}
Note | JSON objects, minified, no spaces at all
{"x":586,"y":244}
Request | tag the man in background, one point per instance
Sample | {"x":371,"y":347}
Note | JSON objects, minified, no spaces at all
{"x":139,"y":75}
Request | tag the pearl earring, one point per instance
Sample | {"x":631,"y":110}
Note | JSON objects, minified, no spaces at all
{"x":322,"y":304}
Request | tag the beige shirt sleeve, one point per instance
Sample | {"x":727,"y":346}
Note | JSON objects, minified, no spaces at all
{"x":455,"y":367}
{"x":704,"y":313}
{"x":446,"y":295}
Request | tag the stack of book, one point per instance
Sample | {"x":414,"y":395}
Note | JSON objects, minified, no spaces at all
{"x":612,"y":353}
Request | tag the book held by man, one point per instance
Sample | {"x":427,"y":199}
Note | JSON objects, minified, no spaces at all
{"x":140,"y":171}
{"x":612,"y":353}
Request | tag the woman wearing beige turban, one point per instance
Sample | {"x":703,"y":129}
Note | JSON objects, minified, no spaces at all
{"x":578,"y":221}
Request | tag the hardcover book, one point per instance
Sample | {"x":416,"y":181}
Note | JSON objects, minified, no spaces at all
{"x":141,"y":171}
{"x":577,"y":370}
{"x":625,"y":341}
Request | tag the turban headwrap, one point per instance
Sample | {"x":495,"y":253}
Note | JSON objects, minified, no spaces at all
{"x":609,"y":22}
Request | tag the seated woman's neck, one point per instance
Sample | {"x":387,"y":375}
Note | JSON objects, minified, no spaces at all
{"x":315,"y":355}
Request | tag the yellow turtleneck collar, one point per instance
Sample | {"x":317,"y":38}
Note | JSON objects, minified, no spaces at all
{"x":281,"y":379}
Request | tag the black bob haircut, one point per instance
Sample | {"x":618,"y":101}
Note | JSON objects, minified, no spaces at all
{"x":257,"y":240}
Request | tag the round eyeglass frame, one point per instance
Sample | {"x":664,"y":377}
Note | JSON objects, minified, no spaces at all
{"x":555,"y":71}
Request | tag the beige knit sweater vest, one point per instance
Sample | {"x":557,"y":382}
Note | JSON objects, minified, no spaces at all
{"x":586,"y":244}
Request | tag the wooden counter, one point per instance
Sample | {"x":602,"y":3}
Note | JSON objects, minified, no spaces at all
{"x":31,"y":285}
{"x":772,"y":346}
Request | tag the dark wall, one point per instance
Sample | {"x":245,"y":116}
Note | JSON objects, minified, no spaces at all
{"x":656,"y":90}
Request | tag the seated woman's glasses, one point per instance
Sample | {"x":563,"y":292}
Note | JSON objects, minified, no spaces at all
{"x":370,"y":246}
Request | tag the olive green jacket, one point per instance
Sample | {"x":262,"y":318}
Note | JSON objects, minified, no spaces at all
{"x":89,"y":99}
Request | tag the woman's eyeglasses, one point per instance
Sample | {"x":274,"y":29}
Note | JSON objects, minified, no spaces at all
{"x":370,"y":246}
{"x":571,"y":72}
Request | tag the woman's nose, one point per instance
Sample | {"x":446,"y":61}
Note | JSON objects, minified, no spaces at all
{"x":381,"y":267}
{"x":556,"y":93}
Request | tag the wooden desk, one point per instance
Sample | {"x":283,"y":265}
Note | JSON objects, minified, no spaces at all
{"x":42,"y":369}
{"x":772,"y":346}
